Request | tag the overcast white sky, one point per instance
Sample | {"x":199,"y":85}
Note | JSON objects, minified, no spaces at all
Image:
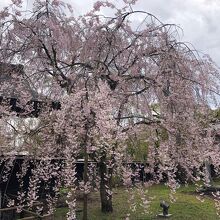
{"x":199,"y":19}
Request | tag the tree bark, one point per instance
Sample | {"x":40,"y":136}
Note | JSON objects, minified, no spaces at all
{"x":85,"y":179}
{"x":208,"y":172}
{"x":105,"y":184}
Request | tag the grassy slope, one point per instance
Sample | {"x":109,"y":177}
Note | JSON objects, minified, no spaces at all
{"x":186,"y":207}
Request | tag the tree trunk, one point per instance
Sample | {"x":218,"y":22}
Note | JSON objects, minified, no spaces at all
{"x":208,"y":172}
{"x":85,"y":179}
{"x":105,"y":184}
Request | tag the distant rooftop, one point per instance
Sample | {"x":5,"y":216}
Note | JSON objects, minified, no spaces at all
{"x":14,"y":82}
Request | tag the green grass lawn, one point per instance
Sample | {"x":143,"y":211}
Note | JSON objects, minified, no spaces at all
{"x":186,"y":207}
